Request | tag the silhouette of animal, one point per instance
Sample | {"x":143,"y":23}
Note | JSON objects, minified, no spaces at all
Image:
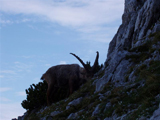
{"x":71,"y":76}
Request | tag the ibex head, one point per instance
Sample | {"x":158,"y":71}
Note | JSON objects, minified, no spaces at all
{"x":89,"y":71}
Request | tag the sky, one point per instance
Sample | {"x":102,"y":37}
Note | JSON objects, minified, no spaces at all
{"x":38,"y":34}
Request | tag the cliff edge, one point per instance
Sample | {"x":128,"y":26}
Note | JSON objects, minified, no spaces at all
{"x":141,"y":18}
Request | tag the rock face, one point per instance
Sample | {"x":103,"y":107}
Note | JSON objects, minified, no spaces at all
{"x":156,"y":114}
{"x":140,"y":19}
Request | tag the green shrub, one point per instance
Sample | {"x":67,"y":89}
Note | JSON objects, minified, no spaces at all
{"x":36,"y":96}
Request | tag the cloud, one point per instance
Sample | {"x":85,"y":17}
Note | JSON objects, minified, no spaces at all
{"x":3,"y":99}
{"x":5,"y":21}
{"x":1,"y":76}
{"x":91,"y":18}
{"x":8,"y":71}
{"x":17,"y":70}
{"x":37,"y":79}
{"x":19,"y":67}
{"x":78,"y":14}
{"x":104,"y":35}
{"x":4,"y":89}
{"x":27,"y":57}
{"x":47,"y":65}
{"x":22,"y":93}
{"x":62,"y":62}
{"x":9,"y":111}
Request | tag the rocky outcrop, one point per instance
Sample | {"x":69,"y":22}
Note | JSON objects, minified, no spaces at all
{"x":156,"y":114}
{"x":74,"y":102}
{"x":140,"y":19}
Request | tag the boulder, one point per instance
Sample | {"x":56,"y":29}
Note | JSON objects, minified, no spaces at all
{"x":74,"y":102}
{"x":156,"y":114}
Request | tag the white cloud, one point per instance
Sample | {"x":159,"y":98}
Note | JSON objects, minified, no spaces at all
{"x":9,"y":111}
{"x":62,"y":62}
{"x":27,"y":57}
{"x":8,"y":71}
{"x":73,"y":13}
{"x":22,"y":93}
{"x":26,"y":20}
{"x":4,"y":99}
{"x":104,"y":35}
{"x":17,"y":70}
{"x":37,"y":79}
{"x":5,"y":21}
{"x":1,"y":76}
{"x":47,"y":65}
{"x":4,"y":89}
{"x":19,"y":67}
{"x":90,"y":17}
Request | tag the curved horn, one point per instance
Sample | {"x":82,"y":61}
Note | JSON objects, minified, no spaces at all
{"x":84,"y":65}
{"x":95,"y":63}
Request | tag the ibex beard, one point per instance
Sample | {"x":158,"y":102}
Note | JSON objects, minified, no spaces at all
{"x":71,"y":76}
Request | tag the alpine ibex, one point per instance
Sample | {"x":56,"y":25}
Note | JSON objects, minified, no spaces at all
{"x":71,"y":75}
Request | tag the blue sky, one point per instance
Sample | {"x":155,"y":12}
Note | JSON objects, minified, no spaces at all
{"x":38,"y":34}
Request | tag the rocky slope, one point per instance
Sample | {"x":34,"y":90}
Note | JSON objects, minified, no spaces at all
{"x":140,"y":19}
{"x":128,"y":87}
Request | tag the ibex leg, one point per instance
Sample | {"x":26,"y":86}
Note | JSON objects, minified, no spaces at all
{"x":50,"y":93}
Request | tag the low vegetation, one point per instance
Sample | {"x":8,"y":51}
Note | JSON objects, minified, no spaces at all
{"x":133,"y":99}
{"x":144,"y":51}
{"x":138,"y":98}
{"x":36,"y":94}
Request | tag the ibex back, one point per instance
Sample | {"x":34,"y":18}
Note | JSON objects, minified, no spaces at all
{"x":71,"y":75}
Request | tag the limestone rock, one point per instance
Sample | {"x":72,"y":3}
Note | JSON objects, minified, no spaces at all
{"x":96,"y":111}
{"x":55,"y":113}
{"x":74,"y":102}
{"x":108,"y":118}
{"x":140,"y":18}
{"x":72,"y":116}
{"x":156,"y":114}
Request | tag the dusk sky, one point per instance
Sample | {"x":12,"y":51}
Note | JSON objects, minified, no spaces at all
{"x":38,"y":34}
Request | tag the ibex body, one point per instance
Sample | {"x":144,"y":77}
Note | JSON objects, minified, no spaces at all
{"x":71,"y":75}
